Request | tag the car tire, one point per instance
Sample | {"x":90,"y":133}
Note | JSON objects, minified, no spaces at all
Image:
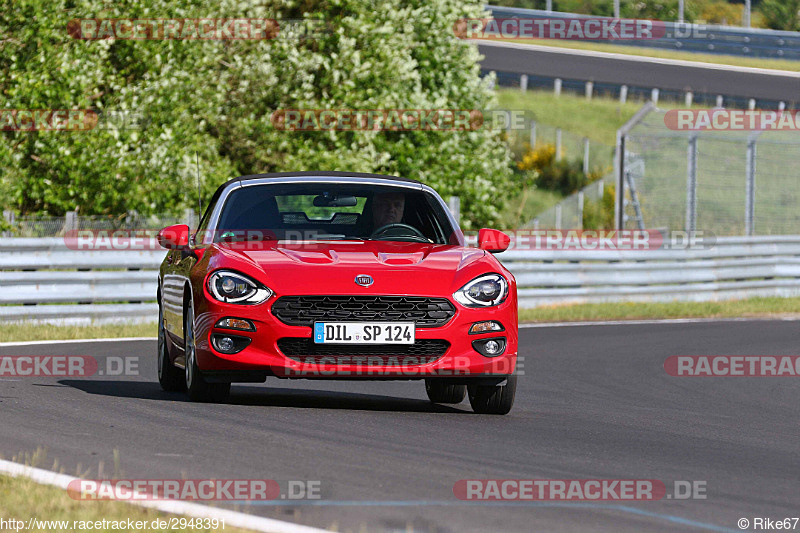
{"x":493,"y":399}
{"x":198,"y":389}
{"x":170,"y":377}
{"x":441,"y":391}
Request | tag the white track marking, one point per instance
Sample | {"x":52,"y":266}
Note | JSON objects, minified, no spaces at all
{"x":120,"y":339}
{"x":653,"y":321}
{"x":232,"y":518}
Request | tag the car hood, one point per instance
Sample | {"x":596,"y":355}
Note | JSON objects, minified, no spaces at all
{"x":331,"y":267}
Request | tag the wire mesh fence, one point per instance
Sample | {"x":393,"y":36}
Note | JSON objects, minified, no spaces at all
{"x":596,"y":156}
{"x":723,"y":182}
{"x":48,"y":226}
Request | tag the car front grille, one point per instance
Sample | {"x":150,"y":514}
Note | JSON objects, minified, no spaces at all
{"x":423,"y":351}
{"x":305,"y":310}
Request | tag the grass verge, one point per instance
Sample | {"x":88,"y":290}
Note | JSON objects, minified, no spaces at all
{"x":749,"y":308}
{"x":23,"y":499}
{"x":39,"y":332}
{"x":659,"y":53}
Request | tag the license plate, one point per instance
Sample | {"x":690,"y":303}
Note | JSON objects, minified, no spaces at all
{"x":364,"y":332}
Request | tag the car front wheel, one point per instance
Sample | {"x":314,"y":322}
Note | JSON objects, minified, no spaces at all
{"x":197,"y":388}
{"x":441,"y":391}
{"x":169,"y":377}
{"x":493,"y":399}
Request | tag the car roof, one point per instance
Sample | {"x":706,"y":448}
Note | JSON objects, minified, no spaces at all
{"x":320,"y":174}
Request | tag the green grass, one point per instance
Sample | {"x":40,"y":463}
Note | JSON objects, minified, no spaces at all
{"x":598,"y":119}
{"x":753,"y":307}
{"x":29,"y":332}
{"x":526,"y":205}
{"x":23,"y":499}
{"x":719,"y":59}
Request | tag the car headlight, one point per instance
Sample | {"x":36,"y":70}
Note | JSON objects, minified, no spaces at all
{"x":234,"y":288}
{"x":485,"y":291}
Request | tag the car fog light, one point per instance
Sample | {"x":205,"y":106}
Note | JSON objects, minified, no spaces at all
{"x":492,"y":347}
{"x":229,"y":344}
{"x":226,"y":344}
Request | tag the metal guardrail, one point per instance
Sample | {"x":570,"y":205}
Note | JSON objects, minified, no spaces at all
{"x":42,"y":280}
{"x":710,"y":39}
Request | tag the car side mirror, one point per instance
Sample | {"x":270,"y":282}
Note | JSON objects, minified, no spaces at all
{"x":174,"y":237}
{"x":493,"y":241}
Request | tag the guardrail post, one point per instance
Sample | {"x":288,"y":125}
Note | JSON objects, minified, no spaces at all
{"x":9,"y":217}
{"x":586,"y":156}
{"x":533,"y":134}
{"x":623,"y":94}
{"x":746,"y":15}
{"x":654,"y":96}
{"x":691,"y":185}
{"x":454,"y":204}
{"x":619,"y":168}
{"x":558,"y":144}
{"x":616,"y":9}
{"x":720,"y":101}
{"x":70,"y":221}
{"x":580,"y":208}
{"x":548,"y":5}
{"x":189,"y":218}
{"x":589,"y":90}
{"x":493,"y":78}
{"x":558,"y":216}
{"x":523,"y":83}
{"x":750,"y":187}
{"x":751,"y":104}
{"x":557,"y":87}
{"x":689,"y":98}
{"x":680,"y":11}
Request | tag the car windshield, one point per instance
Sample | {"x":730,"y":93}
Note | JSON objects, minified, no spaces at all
{"x":327,"y":211}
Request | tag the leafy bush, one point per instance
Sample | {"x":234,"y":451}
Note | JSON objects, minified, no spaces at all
{"x":544,"y":172}
{"x":781,"y":14}
{"x":600,"y":214}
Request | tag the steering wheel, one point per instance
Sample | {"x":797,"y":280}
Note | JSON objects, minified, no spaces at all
{"x":388,"y":227}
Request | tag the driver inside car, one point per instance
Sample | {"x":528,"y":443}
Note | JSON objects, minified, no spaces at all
{"x":387,"y":208}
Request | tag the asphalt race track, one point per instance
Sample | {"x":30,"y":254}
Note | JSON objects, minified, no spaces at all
{"x":640,"y":71}
{"x":594,"y":403}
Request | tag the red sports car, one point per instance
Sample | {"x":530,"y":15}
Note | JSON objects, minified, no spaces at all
{"x":331,"y":275}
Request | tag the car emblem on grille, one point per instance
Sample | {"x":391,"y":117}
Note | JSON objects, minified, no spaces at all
{"x":364,"y":280}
